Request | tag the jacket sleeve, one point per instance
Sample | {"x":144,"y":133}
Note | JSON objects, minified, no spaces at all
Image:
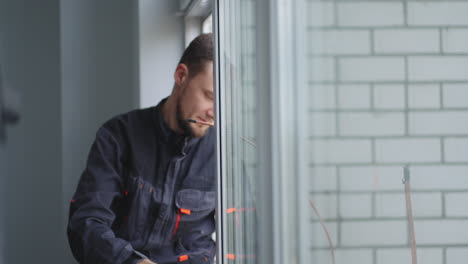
{"x":91,"y":210}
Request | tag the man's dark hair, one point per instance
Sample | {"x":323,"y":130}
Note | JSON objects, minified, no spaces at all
{"x":199,"y":52}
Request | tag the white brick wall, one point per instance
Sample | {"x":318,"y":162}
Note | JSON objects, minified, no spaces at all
{"x":427,"y":204}
{"x":438,"y":123}
{"x":331,"y":41}
{"x":322,"y":96}
{"x":326,"y":204}
{"x":371,"y":178}
{"x":319,"y":239}
{"x":394,"y":205}
{"x":372,"y":69}
{"x":437,"y":232}
{"x":455,"y":95}
{"x":361,"y":256}
{"x":324,"y":179}
{"x":389,"y":96}
{"x":424,"y":96}
{"x":323,"y":124}
{"x":368,"y":124}
{"x":437,"y":13}
{"x":337,"y":151}
{"x":354,"y":96}
{"x":355,"y":205}
{"x":427,"y":68}
{"x":453,"y":202}
{"x":439,"y":177}
{"x":456,"y":149}
{"x":396,"y":93}
{"x":370,"y":233}
{"x":406,"y":40}
{"x":457,"y":255}
{"x":322,"y":69}
{"x":426,"y":256}
{"x":408,"y":150}
{"x":390,"y":205}
{"x":455,"y":40}
{"x":320,"y":13}
{"x":370,"y":14}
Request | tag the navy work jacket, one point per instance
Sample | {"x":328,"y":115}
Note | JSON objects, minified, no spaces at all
{"x":145,"y":192}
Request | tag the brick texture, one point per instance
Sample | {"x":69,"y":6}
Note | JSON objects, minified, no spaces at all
{"x":390,"y":80}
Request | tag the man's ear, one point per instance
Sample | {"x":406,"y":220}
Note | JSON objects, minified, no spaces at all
{"x":181,"y":74}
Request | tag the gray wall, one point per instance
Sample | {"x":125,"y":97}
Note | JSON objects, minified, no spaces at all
{"x":161,"y":43}
{"x":75,"y":65}
{"x":97,"y":46}
{"x":97,"y":75}
{"x":32,"y":169}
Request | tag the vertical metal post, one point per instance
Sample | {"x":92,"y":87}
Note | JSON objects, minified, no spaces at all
{"x":267,"y":175}
{"x":219,"y":139}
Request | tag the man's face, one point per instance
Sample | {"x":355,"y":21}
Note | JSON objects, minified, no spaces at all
{"x":196,"y":101}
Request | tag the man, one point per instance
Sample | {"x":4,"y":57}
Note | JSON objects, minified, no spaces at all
{"x":147,"y":194}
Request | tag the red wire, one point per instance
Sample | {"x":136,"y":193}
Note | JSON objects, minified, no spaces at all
{"x":332,"y":249}
{"x":409,"y":210}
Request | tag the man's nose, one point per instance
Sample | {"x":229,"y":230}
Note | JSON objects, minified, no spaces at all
{"x":210,"y":113}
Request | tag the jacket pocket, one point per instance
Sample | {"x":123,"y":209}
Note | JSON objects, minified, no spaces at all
{"x":193,"y":208}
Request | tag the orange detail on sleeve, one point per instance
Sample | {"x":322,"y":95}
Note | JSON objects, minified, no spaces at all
{"x":183,"y":258}
{"x":231,"y":256}
{"x":231,"y":210}
{"x":185,"y":211}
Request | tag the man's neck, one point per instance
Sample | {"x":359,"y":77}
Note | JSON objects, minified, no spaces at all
{"x":169,"y":109}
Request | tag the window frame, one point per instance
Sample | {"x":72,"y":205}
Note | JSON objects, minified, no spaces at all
{"x":276,"y":22}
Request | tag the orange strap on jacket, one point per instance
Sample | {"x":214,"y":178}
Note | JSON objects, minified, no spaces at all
{"x":183,"y":258}
{"x":185,"y":211}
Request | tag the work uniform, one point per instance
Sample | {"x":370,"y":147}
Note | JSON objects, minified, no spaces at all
{"x":146,"y":192}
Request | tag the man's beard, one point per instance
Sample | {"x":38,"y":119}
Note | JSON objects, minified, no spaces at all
{"x":183,"y":124}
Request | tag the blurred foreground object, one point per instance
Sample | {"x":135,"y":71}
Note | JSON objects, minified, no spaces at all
{"x":9,"y":104}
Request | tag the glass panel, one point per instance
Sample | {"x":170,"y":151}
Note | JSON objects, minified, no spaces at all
{"x":369,"y":120}
{"x":237,"y":82}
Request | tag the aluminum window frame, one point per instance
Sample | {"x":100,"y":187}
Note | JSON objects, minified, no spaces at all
{"x":279,"y":142}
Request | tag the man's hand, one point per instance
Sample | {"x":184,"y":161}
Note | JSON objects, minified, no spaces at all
{"x":146,"y":261}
